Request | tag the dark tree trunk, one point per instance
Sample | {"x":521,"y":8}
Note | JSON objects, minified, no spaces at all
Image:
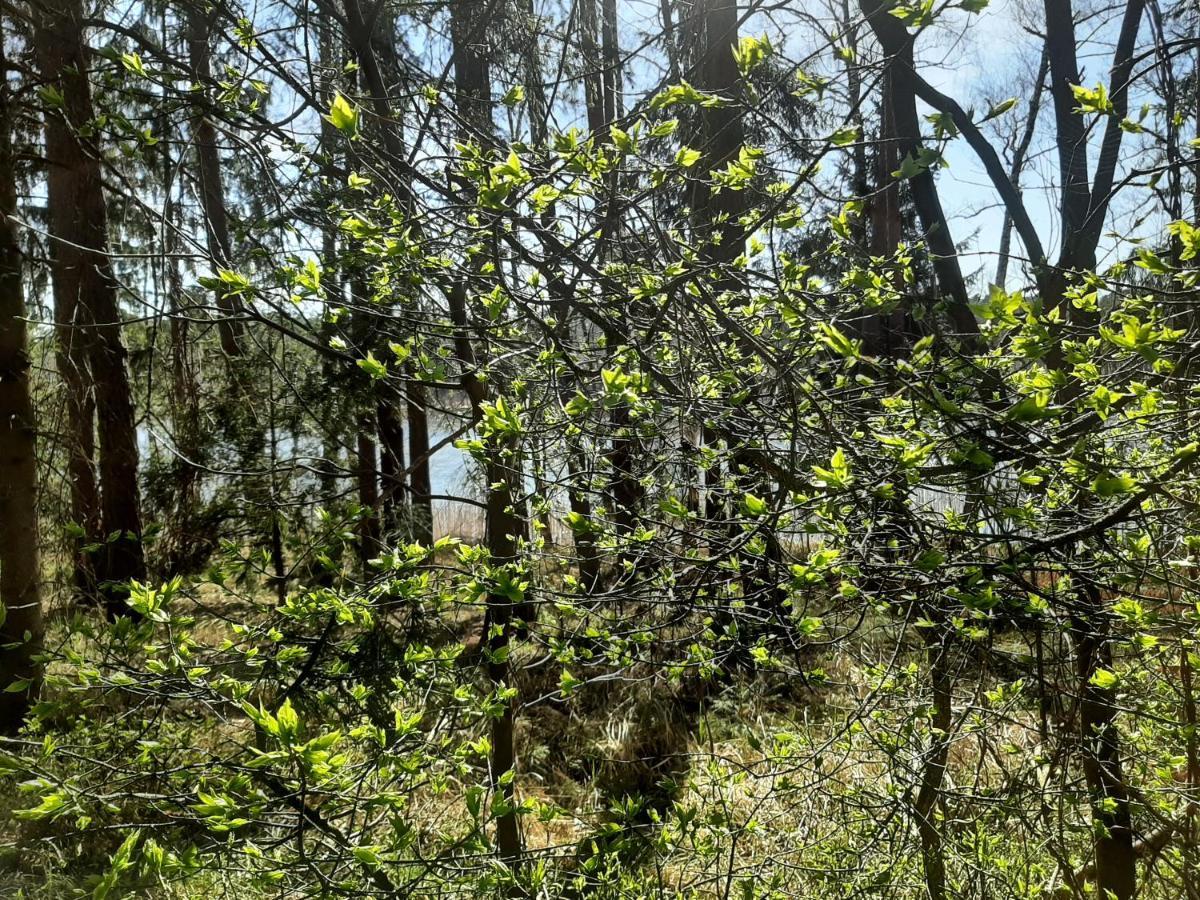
{"x":471,"y":58}
{"x":20,"y":572}
{"x":505,"y":527}
{"x":613,"y":70}
{"x":359,"y":33}
{"x":897,"y":45}
{"x":506,"y":519}
{"x":593,"y":78}
{"x":420,"y":487}
{"x":1100,"y":744}
{"x":934,"y":769}
{"x":368,"y":492}
{"x":85,"y":292}
{"x":391,"y":465}
{"x":212,"y":189}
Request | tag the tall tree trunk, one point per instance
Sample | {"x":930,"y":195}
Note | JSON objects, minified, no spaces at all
{"x":368,"y":491}
{"x":420,"y":486}
{"x":359,"y":34}
{"x":897,"y":45}
{"x":1100,"y":744}
{"x":391,"y":465}
{"x":20,"y":571}
{"x":613,"y":70}
{"x":722,"y":241}
{"x":934,"y":768}
{"x":885,"y":331}
{"x":504,"y":528}
{"x":506,"y":520}
{"x":212,"y":189}
{"x":183,"y":547}
{"x":86,"y":292}
{"x":471,"y":57}
{"x":593,"y":77}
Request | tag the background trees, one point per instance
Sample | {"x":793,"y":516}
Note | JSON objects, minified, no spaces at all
{"x":587,"y":449}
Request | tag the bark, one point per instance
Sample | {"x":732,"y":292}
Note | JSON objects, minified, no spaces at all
{"x":579,"y":499}
{"x":471,"y":58}
{"x":1100,"y":744}
{"x":896,"y":42}
{"x":613,"y":70}
{"x":1192,"y":752}
{"x":593,"y":79}
{"x":420,"y":487}
{"x":884,"y":332}
{"x":368,"y":492}
{"x":723,"y":132}
{"x":391,"y":464}
{"x":1081,"y":247}
{"x":359,"y":33}
{"x":932,"y":854}
{"x":534,"y":78}
{"x":506,"y":519}
{"x":667,"y":20}
{"x":85,"y":294}
{"x":1069,"y":126}
{"x":504,"y":528}
{"x":20,"y":572}
{"x":212,"y":190}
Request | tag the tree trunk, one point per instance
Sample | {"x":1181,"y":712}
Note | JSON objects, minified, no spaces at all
{"x":593,"y":79}
{"x":613,"y":71}
{"x":391,"y":465}
{"x":20,"y":572}
{"x":212,"y":189}
{"x":420,"y":487}
{"x":505,"y":524}
{"x":932,"y":856}
{"x":504,"y":528}
{"x":368,"y":492}
{"x":359,"y":34}
{"x":1100,"y":744}
{"x":85,"y":294}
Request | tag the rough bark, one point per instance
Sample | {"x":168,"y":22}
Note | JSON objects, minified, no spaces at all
{"x":212,"y":189}
{"x":85,"y":294}
{"x":391,"y":464}
{"x":1112,"y":824}
{"x":20,"y":572}
{"x":420,"y":487}
{"x":368,"y":491}
{"x":897,"y":45}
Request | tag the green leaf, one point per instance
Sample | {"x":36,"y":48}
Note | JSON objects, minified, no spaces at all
{"x":133,"y":63}
{"x":1105,"y":679}
{"x":368,"y":856}
{"x":751,"y":52}
{"x":664,"y":129}
{"x":621,"y":140}
{"x":844,"y":137}
{"x":373,"y":367}
{"x":568,"y":683}
{"x":1111,"y":485}
{"x":342,"y":115}
{"x":687,"y":157}
{"x":1092,"y":100}
{"x":753,"y":506}
{"x":514,"y":96}
{"x":999,"y":109}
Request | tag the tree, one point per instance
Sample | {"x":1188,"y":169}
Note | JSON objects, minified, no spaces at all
{"x":87,"y":309}
{"x":20,"y":569}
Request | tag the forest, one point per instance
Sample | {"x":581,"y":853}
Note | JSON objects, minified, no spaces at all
{"x":699,"y":449}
